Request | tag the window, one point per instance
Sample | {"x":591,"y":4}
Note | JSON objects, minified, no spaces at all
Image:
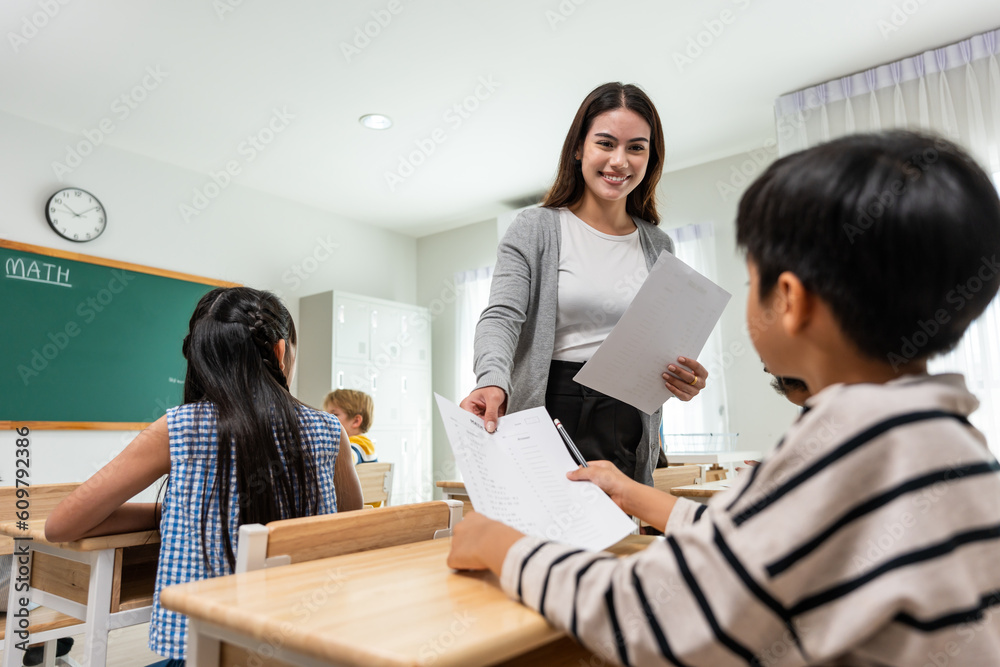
{"x":977,"y":357}
{"x":473,"y":297}
{"x":708,"y":412}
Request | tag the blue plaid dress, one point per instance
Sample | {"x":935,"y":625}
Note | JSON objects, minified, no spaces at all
{"x":193,"y":443}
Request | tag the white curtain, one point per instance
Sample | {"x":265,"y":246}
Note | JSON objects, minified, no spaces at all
{"x":706,"y":413}
{"x":953,"y":91}
{"x":473,"y":297}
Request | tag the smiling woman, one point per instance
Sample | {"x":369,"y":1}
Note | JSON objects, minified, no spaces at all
{"x":565,"y":274}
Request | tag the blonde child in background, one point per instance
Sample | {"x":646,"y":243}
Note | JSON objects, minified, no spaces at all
{"x":355,"y":410}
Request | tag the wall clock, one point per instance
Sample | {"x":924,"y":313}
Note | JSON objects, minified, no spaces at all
{"x":76,"y":215}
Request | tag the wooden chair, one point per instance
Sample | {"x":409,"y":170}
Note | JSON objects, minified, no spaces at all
{"x":376,"y":482}
{"x":44,"y":625}
{"x":667,"y":478}
{"x":309,"y":538}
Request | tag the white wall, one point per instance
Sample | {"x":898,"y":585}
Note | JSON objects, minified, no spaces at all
{"x":439,"y":258}
{"x":710,"y":192}
{"x":243,"y":236}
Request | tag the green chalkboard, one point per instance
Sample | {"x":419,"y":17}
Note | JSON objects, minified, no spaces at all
{"x":89,"y":342}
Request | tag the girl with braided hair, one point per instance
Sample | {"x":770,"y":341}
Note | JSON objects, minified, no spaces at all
{"x":283,"y":458}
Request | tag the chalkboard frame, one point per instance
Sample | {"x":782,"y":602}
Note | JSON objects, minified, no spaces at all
{"x":115,"y":264}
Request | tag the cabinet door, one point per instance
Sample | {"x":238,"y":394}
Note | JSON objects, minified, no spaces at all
{"x":415,"y":334}
{"x":351,"y":326}
{"x":387,"y":333}
{"x":387,"y":396}
{"x":409,"y":450}
{"x":347,"y":375}
{"x":415,"y":396}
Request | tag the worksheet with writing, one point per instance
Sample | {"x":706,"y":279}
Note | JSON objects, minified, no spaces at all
{"x":672,"y":315}
{"x":517,"y":475}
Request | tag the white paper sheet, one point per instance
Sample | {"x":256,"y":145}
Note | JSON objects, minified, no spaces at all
{"x":517,"y":475}
{"x":671,"y":316}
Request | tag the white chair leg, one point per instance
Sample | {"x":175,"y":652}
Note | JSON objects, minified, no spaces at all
{"x":49,"y":653}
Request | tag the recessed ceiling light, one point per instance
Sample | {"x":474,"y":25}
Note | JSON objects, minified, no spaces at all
{"x":376,"y":121}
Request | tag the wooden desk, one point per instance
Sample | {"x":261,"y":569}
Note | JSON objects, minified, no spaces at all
{"x":106,"y":581}
{"x":457,"y":491}
{"x":702,"y":492}
{"x":390,"y":607}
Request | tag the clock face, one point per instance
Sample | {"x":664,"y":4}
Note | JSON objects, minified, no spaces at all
{"x":76,"y":215}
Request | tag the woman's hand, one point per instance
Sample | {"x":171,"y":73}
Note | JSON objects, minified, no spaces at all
{"x":686,"y":381}
{"x":478,"y":543}
{"x":490,"y":403}
{"x":608,"y":478}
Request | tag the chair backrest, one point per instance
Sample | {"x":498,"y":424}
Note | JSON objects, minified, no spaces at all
{"x":41,"y":499}
{"x":376,"y":482}
{"x":667,"y":478}
{"x":309,"y":538}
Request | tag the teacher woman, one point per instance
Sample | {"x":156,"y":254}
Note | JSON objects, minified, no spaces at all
{"x":566,"y":272}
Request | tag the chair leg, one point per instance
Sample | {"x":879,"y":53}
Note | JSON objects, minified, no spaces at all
{"x":49,"y":653}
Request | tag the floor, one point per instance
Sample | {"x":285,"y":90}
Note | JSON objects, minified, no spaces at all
{"x":126,"y":648}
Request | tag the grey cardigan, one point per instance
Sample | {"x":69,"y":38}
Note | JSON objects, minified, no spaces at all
{"x":516,"y":333}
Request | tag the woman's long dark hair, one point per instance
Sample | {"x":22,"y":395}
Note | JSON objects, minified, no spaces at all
{"x":569,"y":184}
{"x":230,"y":349}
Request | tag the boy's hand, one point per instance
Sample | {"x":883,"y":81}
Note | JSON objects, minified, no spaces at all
{"x":608,"y":477}
{"x":478,"y":543}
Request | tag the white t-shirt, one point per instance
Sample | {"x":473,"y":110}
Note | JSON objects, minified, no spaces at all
{"x":599,"y":275}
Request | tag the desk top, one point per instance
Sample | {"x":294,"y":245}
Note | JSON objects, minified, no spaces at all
{"x":339,"y":609}
{"x":714,"y":457}
{"x":450,"y":485}
{"x":706,"y":490}
{"x":36,"y":531}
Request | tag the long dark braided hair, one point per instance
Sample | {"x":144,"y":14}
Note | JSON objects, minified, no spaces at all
{"x":233,"y":366}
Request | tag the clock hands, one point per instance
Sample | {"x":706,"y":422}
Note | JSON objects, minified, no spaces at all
{"x":66,"y":206}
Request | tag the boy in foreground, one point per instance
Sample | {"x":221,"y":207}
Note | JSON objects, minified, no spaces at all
{"x":871,"y":534}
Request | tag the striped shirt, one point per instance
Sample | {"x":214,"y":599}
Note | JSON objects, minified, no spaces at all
{"x":870,"y":536}
{"x":193,"y":447}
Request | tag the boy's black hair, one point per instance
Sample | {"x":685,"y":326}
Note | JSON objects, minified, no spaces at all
{"x":898,"y":232}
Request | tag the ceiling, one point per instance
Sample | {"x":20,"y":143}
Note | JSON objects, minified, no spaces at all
{"x":296,"y":76}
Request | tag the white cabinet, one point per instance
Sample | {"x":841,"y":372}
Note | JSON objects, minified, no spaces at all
{"x":383,"y":348}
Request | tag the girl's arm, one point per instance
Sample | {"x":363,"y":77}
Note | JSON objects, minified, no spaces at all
{"x":345,"y":478}
{"x":97,"y":507}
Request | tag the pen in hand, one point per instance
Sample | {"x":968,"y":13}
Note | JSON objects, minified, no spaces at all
{"x":574,"y":452}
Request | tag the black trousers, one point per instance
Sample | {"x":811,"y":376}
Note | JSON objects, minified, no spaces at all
{"x":602,"y":427}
